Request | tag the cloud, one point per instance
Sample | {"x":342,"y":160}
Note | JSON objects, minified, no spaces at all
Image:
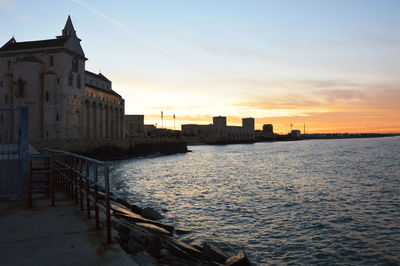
{"x":120,"y":25}
{"x":232,"y":51}
{"x":7,"y":4}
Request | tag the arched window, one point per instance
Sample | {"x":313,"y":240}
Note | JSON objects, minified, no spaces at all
{"x":20,"y":88}
{"x":70,"y":79}
{"x":75,"y":65}
{"x":78,"y":82}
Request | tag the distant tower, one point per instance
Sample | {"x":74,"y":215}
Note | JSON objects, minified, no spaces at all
{"x":219,"y":121}
{"x":248,"y":123}
{"x":268,"y":129}
{"x":69,"y":28}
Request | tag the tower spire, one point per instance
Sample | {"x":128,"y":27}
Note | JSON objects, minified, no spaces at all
{"x":69,"y":28}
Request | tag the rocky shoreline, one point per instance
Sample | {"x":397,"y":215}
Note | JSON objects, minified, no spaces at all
{"x":153,"y":243}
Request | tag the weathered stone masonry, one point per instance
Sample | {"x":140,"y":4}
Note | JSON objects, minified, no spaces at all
{"x":65,"y":101}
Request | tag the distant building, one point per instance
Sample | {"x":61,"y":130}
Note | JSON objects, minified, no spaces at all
{"x":295,"y":133}
{"x":268,"y":129}
{"x":220,"y":132}
{"x":248,"y":123}
{"x":149,"y":130}
{"x":219,"y":121}
{"x":65,"y":101}
{"x":134,"y":126}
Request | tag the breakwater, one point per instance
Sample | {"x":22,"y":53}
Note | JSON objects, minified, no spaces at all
{"x":111,"y":149}
{"x":140,"y":235}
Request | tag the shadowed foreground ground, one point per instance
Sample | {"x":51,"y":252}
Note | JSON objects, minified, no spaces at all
{"x":60,"y":235}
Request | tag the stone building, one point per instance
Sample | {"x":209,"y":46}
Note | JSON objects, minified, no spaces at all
{"x":134,"y":126}
{"x":219,"y":132}
{"x":65,"y":101}
{"x":268,"y":129}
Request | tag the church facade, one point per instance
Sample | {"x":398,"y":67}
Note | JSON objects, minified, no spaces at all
{"x":65,"y":101}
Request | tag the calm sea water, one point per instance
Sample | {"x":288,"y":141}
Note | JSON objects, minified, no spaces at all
{"x":304,"y":202}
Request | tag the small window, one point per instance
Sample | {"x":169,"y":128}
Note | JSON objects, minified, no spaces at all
{"x":1,"y":83}
{"x":78,"y":82}
{"x":21,"y":88}
{"x":6,"y":98}
{"x":57,"y":118}
{"x":47,"y":134}
{"x":58,"y":80}
{"x":75,"y":65}
{"x":51,"y":60}
{"x":1,"y":118}
{"x":70,"y":79}
{"x":47,"y":96}
{"x":8,"y":64}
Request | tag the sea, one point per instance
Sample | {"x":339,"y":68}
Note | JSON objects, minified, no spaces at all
{"x":333,"y":201}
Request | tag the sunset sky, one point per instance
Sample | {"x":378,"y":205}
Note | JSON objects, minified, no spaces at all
{"x":331,"y":64}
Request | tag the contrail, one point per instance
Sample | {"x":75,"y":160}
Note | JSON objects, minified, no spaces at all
{"x":125,"y":28}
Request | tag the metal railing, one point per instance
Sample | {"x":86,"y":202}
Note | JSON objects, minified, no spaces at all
{"x":85,"y":180}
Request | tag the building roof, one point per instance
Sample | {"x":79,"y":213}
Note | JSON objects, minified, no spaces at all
{"x":101,"y":76}
{"x":110,"y":91}
{"x":13,"y":45}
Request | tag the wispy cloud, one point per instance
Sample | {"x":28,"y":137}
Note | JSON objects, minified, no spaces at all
{"x":118,"y":24}
{"x":6,"y":4}
{"x":235,"y":51}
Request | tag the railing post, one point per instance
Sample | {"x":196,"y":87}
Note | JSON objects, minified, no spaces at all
{"x":81,"y":185}
{"x":87,"y":189}
{"x":52,"y":181}
{"x":107,"y":188}
{"x":24,"y":147}
{"x":30,"y":184}
{"x":75,"y":183}
{"x":96,"y":196}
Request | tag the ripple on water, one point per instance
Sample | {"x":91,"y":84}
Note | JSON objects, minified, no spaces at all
{"x":308,"y":202}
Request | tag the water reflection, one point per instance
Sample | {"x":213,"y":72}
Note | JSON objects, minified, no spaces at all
{"x":296,"y":202}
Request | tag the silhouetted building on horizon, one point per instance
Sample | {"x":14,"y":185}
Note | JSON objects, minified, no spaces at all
{"x":219,"y":132}
{"x":268,"y":129}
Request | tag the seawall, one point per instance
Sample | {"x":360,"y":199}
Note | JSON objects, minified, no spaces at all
{"x":109,"y":149}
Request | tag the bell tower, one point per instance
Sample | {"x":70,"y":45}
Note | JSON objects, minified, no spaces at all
{"x":69,"y":28}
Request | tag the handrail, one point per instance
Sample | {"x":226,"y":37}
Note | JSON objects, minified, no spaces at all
{"x":80,"y":177}
{"x":76,"y":155}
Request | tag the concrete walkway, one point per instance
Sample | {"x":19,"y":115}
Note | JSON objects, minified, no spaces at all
{"x":60,"y":235}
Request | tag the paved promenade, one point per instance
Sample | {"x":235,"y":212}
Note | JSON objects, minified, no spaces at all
{"x":60,"y":235}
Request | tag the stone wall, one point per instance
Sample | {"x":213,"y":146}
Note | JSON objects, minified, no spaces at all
{"x":107,"y":149}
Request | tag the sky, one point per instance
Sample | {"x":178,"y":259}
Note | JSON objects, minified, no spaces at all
{"x":332,"y":66}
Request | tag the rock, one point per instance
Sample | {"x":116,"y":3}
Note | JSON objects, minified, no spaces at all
{"x":136,"y":218}
{"x":154,"y":247}
{"x":144,"y":259}
{"x":154,"y":228}
{"x":152,"y":214}
{"x":133,"y":246}
{"x":172,"y":243}
{"x":211,"y":253}
{"x":239,"y":259}
{"x":181,"y":232}
{"x":128,"y":205}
